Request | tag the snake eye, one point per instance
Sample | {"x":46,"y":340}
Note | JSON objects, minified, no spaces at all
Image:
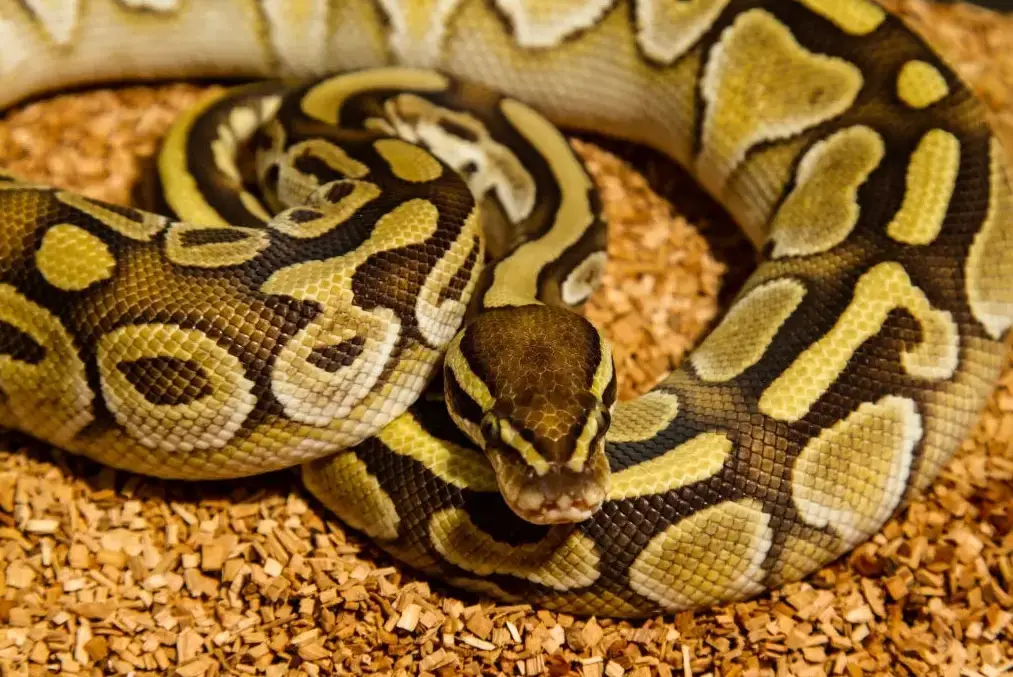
{"x":490,"y":427}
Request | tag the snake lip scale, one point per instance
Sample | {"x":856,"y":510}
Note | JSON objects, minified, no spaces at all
{"x":376,"y":247}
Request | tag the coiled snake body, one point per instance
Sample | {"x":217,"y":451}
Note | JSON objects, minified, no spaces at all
{"x":301,"y":323}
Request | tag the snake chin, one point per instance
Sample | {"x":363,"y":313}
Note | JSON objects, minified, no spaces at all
{"x":560,"y":496}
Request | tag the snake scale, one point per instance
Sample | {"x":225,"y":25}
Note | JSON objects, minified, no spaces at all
{"x":377,"y":246}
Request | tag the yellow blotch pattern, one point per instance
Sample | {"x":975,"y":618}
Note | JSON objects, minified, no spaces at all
{"x":713,"y":555}
{"x":72,"y":259}
{"x":920,"y":84}
{"x":857,"y":17}
{"x":208,"y":421}
{"x":931,"y":178}
{"x":747,"y":330}
{"x":758,"y":59}
{"x":409,"y":162}
{"x":325,"y":100}
{"x":884,"y":287}
{"x":691,"y":461}
{"x":644,"y":417}
{"x":250,"y":242}
{"x":822,"y":208}
{"x":853,"y":475}
{"x":459,"y":466}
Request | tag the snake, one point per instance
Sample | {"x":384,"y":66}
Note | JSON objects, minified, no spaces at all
{"x":379,"y":237}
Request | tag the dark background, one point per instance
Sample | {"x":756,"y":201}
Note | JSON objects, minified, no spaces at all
{"x":1001,"y":5}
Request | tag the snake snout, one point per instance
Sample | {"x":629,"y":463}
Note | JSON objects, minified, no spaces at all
{"x":546,"y":502}
{"x":559,"y":496}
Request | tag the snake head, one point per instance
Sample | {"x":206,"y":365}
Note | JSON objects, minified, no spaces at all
{"x":534,"y":386}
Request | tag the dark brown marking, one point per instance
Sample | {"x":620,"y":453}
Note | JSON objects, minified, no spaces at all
{"x":332,"y":358}
{"x":197,"y":238}
{"x":167,"y":380}
{"x":19,"y":345}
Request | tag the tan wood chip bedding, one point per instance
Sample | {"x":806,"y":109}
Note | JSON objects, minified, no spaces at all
{"x":105,"y":572}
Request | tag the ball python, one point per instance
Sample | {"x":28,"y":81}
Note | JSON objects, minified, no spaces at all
{"x":390,"y":308}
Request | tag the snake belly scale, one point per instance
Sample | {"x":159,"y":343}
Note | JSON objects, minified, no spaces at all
{"x":376,"y":250}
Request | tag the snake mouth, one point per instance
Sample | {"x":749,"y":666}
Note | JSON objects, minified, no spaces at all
{"x":560,"y":496}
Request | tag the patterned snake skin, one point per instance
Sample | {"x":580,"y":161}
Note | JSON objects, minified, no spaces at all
{"x":371,"y":274}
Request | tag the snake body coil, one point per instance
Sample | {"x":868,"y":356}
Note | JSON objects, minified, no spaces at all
{"x":406,"y":213}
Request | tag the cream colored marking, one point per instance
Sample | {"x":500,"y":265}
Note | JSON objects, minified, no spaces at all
{"x":144,"y":230}
{"x":343,"y":483}
{"x":439,"y":320}
{"x":334,"y":214}
{"x":515,"y":280}
{"x":667,"y":30}
{"x":692,"y":461}
{"x":856,"y":17}
{"x":72,"y":259}
{"x":459,"y":466}
{"x":758,"y":59}
{"x":409,"y":162}
{"x":714,"y":555}
{"x":325,"y":100}
{"x":51,"y":399}
{"x":920,"y":84}
{"x":989,"y":267}
{"x":545,"y":23}
{"x":853,"y":475}
{"x":747,"y":330}
{"x":298,"y":32}
{"x":884,"y":287}
{"x":584,"y":279}
{"x":823,"y":207}
{"x":57,"y":18}
{"x":931,"y":178}
{"x":309,"y":393}
{"x":558,"y":561}
{"x":214,"y":254}
{"x":418,"y":28}
{"x":644,"y":417}
{"x":208,"y":422}
{"x":492,"y":166}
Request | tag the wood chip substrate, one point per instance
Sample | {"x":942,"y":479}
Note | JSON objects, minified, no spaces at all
{"x":103,"y":572}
